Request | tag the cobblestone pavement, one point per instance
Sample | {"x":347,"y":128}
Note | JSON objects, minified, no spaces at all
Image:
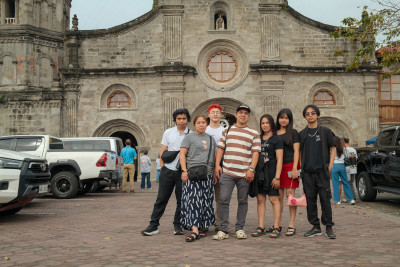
{"x":103,"y":229}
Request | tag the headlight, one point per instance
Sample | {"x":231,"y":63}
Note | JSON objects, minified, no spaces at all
{"x":10,"y":163}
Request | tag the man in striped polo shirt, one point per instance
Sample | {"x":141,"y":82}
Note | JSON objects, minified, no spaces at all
{"x":240,"y":147}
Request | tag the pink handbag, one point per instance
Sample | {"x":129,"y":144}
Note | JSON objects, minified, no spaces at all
{"x":300,"y":202}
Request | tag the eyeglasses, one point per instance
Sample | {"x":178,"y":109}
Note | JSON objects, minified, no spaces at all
{"x":309,"y":114}
{"x":215,"y":112}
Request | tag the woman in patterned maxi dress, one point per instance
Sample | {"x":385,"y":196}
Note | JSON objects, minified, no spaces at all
{"x":197,"y":210}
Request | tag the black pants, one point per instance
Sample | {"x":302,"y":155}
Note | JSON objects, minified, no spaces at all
{"x":167,"y":181}
{"x":314,"y":185}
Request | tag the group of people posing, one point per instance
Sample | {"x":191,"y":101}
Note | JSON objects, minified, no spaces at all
{"x":210,"y":162}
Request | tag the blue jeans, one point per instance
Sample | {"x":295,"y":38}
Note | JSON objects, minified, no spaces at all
{"x":143,"y":185}
{"x":339,"y":170}
{"x":158,"y":175}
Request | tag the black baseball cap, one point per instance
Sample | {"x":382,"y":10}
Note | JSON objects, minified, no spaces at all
{"x":243,"y":107}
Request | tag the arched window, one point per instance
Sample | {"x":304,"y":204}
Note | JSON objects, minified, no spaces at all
{"x":324,"y":97}
{"x":222,"y":67}
{"x":119,"y":99}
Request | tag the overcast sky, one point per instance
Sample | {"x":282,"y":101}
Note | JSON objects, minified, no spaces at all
{"x":101,"y":14}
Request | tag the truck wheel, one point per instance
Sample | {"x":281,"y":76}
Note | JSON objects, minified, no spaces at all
{"x":365,"y":188}
{"x":64,"y":185}
{"x":9,"y":212}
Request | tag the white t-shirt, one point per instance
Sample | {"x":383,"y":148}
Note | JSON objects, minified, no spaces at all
{"x":158,"y":166}
{"x":145,"y":163}
{"x":215,"y":133}
{"x":172,"y":138}
{"x":350,"y":151}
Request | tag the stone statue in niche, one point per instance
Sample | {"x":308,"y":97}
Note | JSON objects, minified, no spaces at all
{"x":220,"y":22}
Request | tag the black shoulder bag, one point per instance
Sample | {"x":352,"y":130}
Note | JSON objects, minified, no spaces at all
{"x":226,"y":135}
{"x":170,"y":156}
{"x":199,"y":173}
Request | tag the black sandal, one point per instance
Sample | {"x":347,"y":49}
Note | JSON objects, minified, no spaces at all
{"x":202,"y":233}
{"x":258,"y":232}
{"x":271,"y":229}
{"x":290,"y":231}
{"x":192,"y":237}
{"x":275,"y":233}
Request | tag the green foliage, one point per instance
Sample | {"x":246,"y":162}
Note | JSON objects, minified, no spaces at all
{"x":374,"y":25}
{"x":155,"y":3}
{"x":2,"y":98}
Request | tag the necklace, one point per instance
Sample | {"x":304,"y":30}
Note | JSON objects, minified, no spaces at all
{"x":313,"y":134}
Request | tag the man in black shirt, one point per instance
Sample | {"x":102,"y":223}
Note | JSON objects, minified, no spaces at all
{"x":317,"y":156}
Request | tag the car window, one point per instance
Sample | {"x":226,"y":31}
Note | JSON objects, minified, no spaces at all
{"x":5,"y":143}
{"x":28,"y":144}
{"x":119,"y":146}
{"x":385,"y":138}
{"x":87,"y":145}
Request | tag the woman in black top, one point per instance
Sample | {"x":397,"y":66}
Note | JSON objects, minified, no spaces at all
{"x":268,"y":173}
{"x":291,"y":154}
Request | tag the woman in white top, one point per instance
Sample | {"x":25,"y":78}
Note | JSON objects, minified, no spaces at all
{"x":339,"y":170}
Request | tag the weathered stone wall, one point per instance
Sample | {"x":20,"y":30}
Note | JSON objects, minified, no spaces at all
{"x":31,"y":52}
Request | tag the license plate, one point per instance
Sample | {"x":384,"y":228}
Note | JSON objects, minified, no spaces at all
{"x":44,"y":188}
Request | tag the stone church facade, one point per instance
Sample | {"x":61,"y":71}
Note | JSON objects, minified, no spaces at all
{"x":127,"y":80}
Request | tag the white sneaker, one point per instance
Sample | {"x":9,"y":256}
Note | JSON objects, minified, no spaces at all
{"x":338,"y":203}
{"x":240,"y":234}
{"x":352,"y":202}
{"x":220,"y":236}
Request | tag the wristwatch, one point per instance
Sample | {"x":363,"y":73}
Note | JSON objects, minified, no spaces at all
{"x":277,"y":178}
{"x":252,"y":169}
{"x":184,"y":170}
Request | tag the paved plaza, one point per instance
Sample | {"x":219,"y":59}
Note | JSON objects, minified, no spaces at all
{"x":103,"y":229}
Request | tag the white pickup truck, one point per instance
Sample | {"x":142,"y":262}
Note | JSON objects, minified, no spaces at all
{"x":70,"y":170}
{"x":22,"y":178}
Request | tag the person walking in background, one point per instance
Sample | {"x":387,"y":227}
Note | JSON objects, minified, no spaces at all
{"x":291,"y":155}
{"x":158,"y":168}
{"x":215,"y":130}
{"x":268,"y":173}
{"x":170,"y":176}
{"x":145,"y":163}
{"x":240,"y":148}
{"x":339,"y":170}
{"x":351,"y":170}
{"x":317,"y":154}
{"x":197,"y":149}
{"x":129,"y":157}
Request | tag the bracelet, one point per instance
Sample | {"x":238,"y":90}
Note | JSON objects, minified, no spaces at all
{"x":252,"y":169}
{"x":277,"y":178}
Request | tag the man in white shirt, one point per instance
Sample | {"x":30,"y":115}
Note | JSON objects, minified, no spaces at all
{"x":170,"y":176}
{"x":215,"y":130}
{"x":351,"y":170}
{"x":145,"y":163}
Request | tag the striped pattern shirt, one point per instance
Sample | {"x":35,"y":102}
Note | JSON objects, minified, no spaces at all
{"x":239,"y":145}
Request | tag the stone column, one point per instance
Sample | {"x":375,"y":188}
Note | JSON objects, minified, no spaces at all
{"x":270,"y":40}
{"x":173,"y":32}
{"x":271,"y":86}
{"x":372,"y":110}
{"x":69,"y":111}
{"x":172,"y":88}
